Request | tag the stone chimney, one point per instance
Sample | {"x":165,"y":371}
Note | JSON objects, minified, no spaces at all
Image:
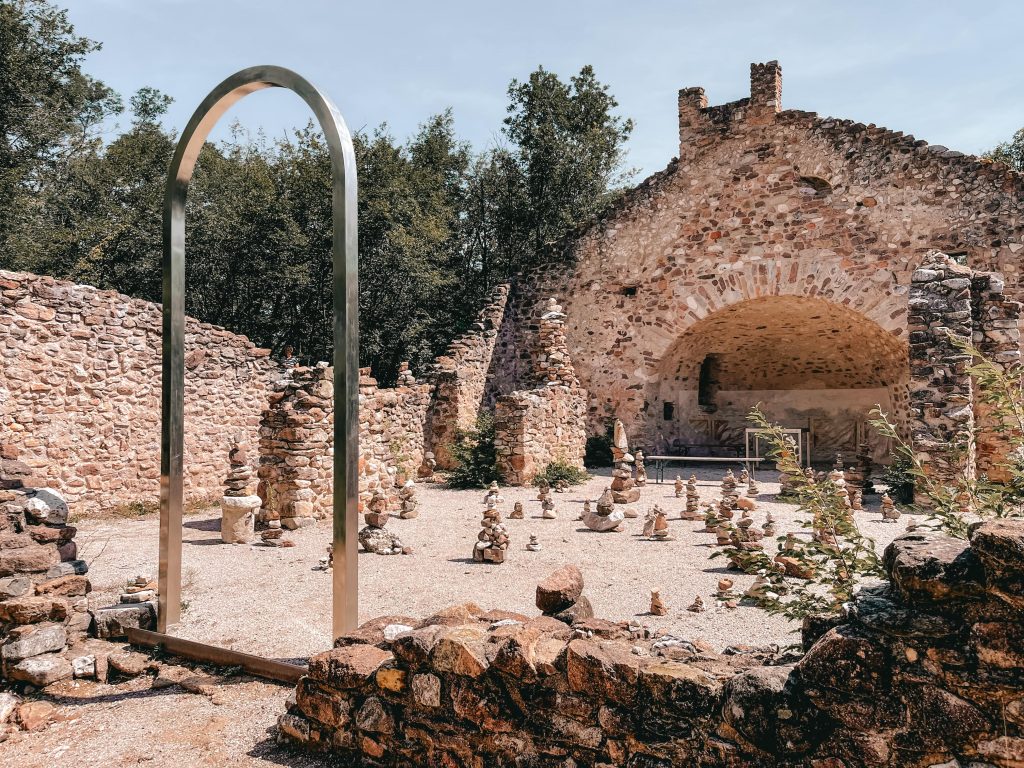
{"x":765,"y":93}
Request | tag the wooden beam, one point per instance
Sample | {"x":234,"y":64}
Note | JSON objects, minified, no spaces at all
{"x":270,"y":669}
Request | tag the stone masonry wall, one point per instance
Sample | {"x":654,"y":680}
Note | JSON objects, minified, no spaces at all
{"x":80,"y":392}
{"x":763,"y":203}
{"x":547,"y":423}
{"x":461,"y":378}
{"x":923,"y":671}
{"x":297,"y":442}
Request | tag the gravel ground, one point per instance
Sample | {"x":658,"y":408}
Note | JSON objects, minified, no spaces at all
{"x":274,"y":602}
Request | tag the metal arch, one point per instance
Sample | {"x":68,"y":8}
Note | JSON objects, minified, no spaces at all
{"x":346,"y":336}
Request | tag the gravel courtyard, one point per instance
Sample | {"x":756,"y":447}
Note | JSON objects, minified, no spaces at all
{"x":275,"y":602}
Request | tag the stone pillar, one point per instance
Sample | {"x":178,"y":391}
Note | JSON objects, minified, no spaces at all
{"x":941,"y":418}
{"x":997,"y":337}
{"x":765,"y":92}
{"x":692,"y":121}
{"x":297,"y":447}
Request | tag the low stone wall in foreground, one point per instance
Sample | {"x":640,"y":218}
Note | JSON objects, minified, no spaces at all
{"x":925,"y":671}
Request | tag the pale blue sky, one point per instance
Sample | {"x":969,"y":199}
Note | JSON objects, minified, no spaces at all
{"x":948,"y":72}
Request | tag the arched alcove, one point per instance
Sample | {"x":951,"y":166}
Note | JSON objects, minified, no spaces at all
{"x":809,"y":362}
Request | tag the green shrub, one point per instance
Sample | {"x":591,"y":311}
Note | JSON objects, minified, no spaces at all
{"x":899,"y":479}
{"x":561,"y":470}
{"x":474,"y":455}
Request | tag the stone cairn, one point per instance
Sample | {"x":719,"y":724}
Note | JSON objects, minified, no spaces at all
{"x":492,"y":540}
{"x":787,"y":482}
{"x":44,"y":610}
{"x":552,"y":365}
{"x":641,"y":470}
{"x":547,"y":504}
{"x":890,"y":514}
{"x":238,"y":506}
{"x":864,"y":467}
{"x":561,"y":596}
{"x":658,"y":607}
{"x":752,"y":490}
{"x":606,"y":517}
{"x":517,"y":511}
{"x":374,"y":537}
{"x":679,"y":486}
{"x":656,"y":525}
{"x":426,"y":470}
{"x":624,"y":490}
{"x":407,"y":498}
{"x":692,"y":511}
{"x":534,"y":544}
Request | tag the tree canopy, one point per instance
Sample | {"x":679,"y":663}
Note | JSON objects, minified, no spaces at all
{"x":439,"y":223}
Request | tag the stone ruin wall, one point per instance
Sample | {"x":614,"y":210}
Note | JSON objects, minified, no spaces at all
{"x":762,"y":204}
{"x":462,"y":378}
{"x":534,"y":427}
{"x":80,"y":393}
{"x":922,"y":671}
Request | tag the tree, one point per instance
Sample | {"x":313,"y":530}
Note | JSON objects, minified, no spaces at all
{"x":49,"y":108}
{"x":1010,"y":152}
{"x":569,"y":147}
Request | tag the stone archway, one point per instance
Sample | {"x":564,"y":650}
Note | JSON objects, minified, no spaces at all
{"x":808,"y":361}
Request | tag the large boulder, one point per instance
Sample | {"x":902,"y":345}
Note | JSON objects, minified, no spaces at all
{"x":560,"y":590}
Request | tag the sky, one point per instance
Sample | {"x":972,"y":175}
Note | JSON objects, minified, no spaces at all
{"x":944,"y":71}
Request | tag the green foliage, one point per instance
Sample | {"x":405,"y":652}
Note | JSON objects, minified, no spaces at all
{"x":899,"y":478}
{"x":49,"y":108}
{"x":475,"y":456}
{"x":951,"y":505}
{"x":1010,"y":152}
{"x":559,"y":470}
{"x":832,"y":551}
{"x":438,"y":226}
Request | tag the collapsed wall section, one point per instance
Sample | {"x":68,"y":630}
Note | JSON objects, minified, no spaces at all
{"x":80,"y":378}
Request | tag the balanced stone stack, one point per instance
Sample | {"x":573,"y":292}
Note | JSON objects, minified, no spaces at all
{"x":606,"y":517}
{"x":43,"y":589}
{"x":427,"y":468}
{"x":410,"y":504}
{"x":864,"y":467}
{"x":238,"y":506}
{"x":492,"y":540}
{"x":623,"y":486}
{"x":656,"y":525}
{"x":692,"y":511}
{"x":552,"y":365}
{"x":641,"y":470}
{"x":374,"y":537}
{"x":679,"y":487}
{"x":890,"y":514}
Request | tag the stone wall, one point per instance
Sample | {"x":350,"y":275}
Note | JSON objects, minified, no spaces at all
{"x":767,"y":212}
{"x":462,"y":377}
{"x":923,"y":671}
{"x":80,"y":392}
{"x":297,"y":442}
{"x":547,"y":423}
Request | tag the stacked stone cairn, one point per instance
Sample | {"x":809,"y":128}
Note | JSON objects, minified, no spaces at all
{"x":787,"y":482}
{"x":865,"y":466}
{"x":374,"y":537}
{"x":606,"y":517}
{"x":679,"y":487}
{"x":641,"y":470}
{"x":692,"y":511}
{"x":238,"y":506}
{"x":730,"y":496}
{"x":752,"y":490}
{"x":44,"y":610}
{"x":658,"y":607}
{"x":890,"y":514}
{"x":492,"y":540}
{"x":534,"y":544}
{"x":517,"y":511}
{"x":426,"y":470}
{"x":623,"y":487}
{"x":407,"y":498}
{"x":560,"y":596}
{"x":547,"y":504}
{"x":552,"y":365}
{"x":656,"y":525}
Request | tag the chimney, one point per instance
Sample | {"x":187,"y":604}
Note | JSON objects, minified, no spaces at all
{"x":765,"y":92}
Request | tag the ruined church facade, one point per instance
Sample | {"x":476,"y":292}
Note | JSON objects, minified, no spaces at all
{"x":780,"y":260}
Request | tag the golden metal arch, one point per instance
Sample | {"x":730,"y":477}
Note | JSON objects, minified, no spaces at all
{"x":346,"y":336}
